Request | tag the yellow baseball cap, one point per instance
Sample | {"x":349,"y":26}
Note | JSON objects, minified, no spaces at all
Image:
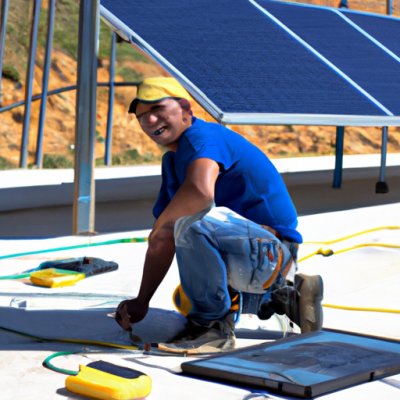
{"x":154,"y":89}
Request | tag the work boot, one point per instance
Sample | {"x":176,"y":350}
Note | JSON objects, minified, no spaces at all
{"x":308,"y":314}
{"x":217,"y":336}
{"x":301,"y":303}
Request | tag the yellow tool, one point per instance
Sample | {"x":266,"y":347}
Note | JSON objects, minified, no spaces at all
{"x":54,"y":277}
{"x":106,"y":381}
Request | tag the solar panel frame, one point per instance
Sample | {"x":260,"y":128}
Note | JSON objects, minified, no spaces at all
{"x":304,"y":366}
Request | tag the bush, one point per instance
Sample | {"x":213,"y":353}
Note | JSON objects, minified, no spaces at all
{"x":128,"y":74}
{"x":10,"y":72}
{"x":57,"y":161}
{"x":6,"y":164}
{"x":133,"y":157}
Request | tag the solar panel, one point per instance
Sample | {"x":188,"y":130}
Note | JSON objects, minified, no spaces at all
{"x":306,"y":365}
{"x":384,"y":29}
{"x":243,"y":67}
{"x":328,"y":31}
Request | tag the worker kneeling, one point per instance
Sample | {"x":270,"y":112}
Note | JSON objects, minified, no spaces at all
{"x":225,"y":212}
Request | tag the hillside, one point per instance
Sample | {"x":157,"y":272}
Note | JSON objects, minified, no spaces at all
{"x":129,"y":144}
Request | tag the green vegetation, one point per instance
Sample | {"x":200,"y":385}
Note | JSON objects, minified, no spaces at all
{"x":5,"y":164}
{"x":66,"y":27}
{"x":133,"y":157}
{"x":10,"y":72}
{"x":129,"y":74}
{"x":57,"y":161}
{"x":99,"y":138}
{"x":123,"y":50}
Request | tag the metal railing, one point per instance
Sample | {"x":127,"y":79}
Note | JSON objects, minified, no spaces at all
{"x":86,"y":87}
{"x":42,"y":97}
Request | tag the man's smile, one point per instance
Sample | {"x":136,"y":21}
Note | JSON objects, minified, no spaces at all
{"x":159,"y":131}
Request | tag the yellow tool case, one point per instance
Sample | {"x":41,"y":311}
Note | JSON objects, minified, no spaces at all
{"x":106,"y":381}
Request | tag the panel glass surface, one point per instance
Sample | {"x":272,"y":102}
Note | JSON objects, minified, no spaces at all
{"x":238,"y":58}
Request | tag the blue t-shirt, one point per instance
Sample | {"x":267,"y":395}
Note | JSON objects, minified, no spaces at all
{"x":248,"y":183}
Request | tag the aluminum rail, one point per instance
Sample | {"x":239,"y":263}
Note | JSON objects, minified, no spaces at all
{"x":85,"y":127}
{"x":3,"y":30}
{"x":29,"y":84}
{"x":45,"y":82}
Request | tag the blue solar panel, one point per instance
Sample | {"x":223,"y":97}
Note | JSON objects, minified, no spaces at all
{"x":353,"y":53}
{"x":384,"y":29}
{"x":241,"y":60}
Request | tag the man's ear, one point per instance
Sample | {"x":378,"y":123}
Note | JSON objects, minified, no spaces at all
{"x":186,"y":106}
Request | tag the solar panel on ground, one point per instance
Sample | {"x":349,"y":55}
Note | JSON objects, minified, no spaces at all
{"x":306,"y":365}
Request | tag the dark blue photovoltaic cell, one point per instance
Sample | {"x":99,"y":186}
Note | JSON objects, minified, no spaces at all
{"x":385,"y":30}
{"x":238,"y":58}
{"x":338,"y":41}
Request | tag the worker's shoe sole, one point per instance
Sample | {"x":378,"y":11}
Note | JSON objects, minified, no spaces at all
{"x":301,"y":302}
{"x":311,"y":291}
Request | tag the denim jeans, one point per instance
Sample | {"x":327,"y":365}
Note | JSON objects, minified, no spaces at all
{"x":217,"y":249}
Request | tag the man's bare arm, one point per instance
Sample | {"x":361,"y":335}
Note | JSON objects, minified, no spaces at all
{"x":195,"y":195}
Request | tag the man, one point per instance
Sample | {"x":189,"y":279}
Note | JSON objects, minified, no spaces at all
{"x":225,"y":212}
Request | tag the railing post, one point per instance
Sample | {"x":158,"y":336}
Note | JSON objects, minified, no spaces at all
{"x":381,"y":186}
{"x":108,"y":144}
{"x":337,"y":176}
{"x":84,"y":190}
{"x":29,"y":84}
{"x":3,"y":31}
{"x":45,"y":82}
{"x":389,"y":7}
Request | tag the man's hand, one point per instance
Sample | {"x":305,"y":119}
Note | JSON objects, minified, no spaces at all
{"x":130,"y":311}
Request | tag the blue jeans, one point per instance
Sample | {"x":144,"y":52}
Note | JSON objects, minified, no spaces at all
{"x":217,"y":249}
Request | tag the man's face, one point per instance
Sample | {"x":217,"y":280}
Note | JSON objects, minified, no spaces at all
{"x":164,"y":121}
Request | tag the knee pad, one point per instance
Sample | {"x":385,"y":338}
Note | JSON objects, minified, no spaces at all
{"x":181,"y":301}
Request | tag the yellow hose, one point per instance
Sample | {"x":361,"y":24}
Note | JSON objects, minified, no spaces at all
{"x":329,"y":252}
{"x":76,"y":341}
{"x":352,"y":308}
{"x":379,"y":228}
{"x":96,"y":343}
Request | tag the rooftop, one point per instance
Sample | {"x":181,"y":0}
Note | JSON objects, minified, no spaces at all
{"x":361,"y":283}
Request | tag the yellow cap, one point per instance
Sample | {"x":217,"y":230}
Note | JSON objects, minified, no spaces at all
{"x":158,"y":88}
